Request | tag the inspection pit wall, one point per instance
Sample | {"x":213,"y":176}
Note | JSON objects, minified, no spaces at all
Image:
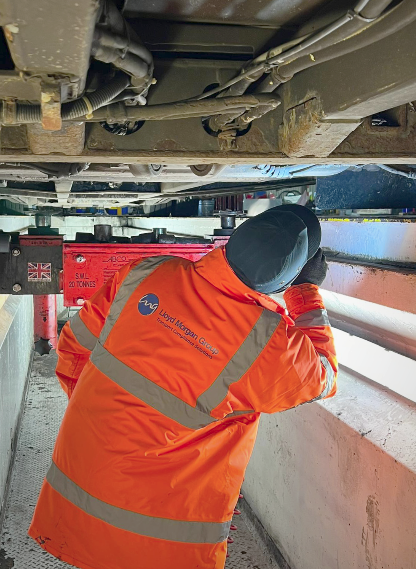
{"x":334,"y":482}
{"x":16,"y":344}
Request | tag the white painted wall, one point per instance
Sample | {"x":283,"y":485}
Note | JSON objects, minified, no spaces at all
{"x":16,"y":342}
{"x":371,"y":239}
{"x":334,"y":482}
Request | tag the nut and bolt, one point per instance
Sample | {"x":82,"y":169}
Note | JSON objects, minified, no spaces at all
{"x":80,"y":301}
{"x":15,"y":252}
{"x":80,"y":258}
{"x":16,"y":287}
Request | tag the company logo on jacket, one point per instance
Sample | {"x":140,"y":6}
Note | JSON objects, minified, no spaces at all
{"x":148,"y":304}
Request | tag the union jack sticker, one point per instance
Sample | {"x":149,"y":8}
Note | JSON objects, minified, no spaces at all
{"x":39,"y":272}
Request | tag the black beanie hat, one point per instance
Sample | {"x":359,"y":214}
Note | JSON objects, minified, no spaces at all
{"x":268,"y":251}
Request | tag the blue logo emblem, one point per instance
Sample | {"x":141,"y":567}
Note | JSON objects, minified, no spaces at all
{"x":148,"y":304}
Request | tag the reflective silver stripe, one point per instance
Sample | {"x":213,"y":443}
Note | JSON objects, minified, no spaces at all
{"x":330,"y":378}
{"x":150,"y":393}
{"x":313,"y":318}
{"x":82,"y":333}
{"x":160,"y":528}
{"x":242,"y":360}
{"x":159,"y":398}
{"x":128,"y":286}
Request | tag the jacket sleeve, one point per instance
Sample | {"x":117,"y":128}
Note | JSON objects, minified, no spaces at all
{"x":297,"y":365}
{"x":80,"y":334}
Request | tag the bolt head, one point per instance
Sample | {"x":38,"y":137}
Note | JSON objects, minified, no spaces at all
{"x":16,"y":287}
{"x":80,"y":301}
{"x":80,"y":258}
{"x":15,"y":252}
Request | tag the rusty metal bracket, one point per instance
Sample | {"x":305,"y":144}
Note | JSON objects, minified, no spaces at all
{"x":306,"y":132}
{"x":50,"y":102}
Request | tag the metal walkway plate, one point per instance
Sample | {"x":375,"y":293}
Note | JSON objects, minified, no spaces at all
{"x":45,"y":406}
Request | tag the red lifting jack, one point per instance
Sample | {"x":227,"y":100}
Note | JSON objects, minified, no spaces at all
{"x":43,"y":265}
{"x":45,"y":323}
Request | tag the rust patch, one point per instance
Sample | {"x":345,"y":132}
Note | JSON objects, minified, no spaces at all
{"x":68,"y":141}
{"x":370,"y":534}
{"x":51,"y":107}
{"x":168,"y":144}
{"x":305,"y":132}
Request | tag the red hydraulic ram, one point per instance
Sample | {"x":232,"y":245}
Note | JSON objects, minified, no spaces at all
{"x":45,"y":323}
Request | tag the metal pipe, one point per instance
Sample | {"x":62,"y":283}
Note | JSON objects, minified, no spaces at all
{"x":120,"y":113}
{"x":238,"y":89}
{"x":43,"y":220}
{"x":171,"y":111}
{"x":132,"y":65}
{"x":242,"y":120}
{"x":118,"y":50}
{"x":313,"y":40}
{"x":389,"y":23}
{"x":26,"y":114}
{"x":103,"y":232}
{"x":114,"y":41}
{"x":372,"y":8}
{"x":261,"y":68}
{"x":323,"y":39}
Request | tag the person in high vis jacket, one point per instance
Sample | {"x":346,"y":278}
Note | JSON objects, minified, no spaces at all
{"x":167,"y":369}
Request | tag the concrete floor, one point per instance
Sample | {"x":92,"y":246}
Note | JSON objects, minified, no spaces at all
{"x":45,"y":405}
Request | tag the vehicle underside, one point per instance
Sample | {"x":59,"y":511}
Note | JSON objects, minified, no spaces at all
{"x":143,"y":102}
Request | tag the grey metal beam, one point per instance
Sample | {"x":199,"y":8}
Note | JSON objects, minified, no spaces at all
{"x":323,"y":103}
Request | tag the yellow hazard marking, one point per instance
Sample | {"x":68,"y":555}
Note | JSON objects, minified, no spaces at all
{"x":360,"y":219}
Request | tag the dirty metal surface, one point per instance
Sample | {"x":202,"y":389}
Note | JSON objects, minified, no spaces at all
{"x":394,"y":140}
{"x":44,"y":409}
{"x":358,"y":84}
{"x":250,"y":12}
{"x":68,"y":140}
{"x":305,"y":132}
{"x":57,"y":41}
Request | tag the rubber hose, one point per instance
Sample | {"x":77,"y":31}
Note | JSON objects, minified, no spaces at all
{"x":75,"y":109}
{"x":112,"y":44}
{"x":28,"y":113}
{"x":97,"y":99}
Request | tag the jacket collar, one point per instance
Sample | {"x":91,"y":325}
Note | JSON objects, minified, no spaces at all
{"x":215,"y":269}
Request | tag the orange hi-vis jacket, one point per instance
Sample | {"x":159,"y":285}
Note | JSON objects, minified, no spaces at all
{"x":168,"y":368}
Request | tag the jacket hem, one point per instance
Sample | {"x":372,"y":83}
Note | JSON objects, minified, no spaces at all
{"x":63,"y":556}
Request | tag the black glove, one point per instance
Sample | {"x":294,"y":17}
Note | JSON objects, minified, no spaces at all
{"x":314,"y":272}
